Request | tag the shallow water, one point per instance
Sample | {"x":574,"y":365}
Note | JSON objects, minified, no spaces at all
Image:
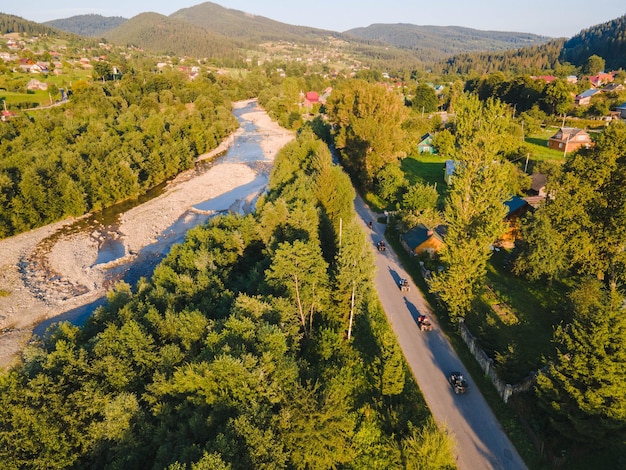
{"x":245,"y":149}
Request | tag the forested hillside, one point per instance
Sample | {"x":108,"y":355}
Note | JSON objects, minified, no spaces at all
{"x":165,"y":35}
{"x":234,"y":355}
{"x":607,"y":40}
{"x":112,"y":142}
{"x":253,"y":29}
{"x":433,"y":43}
{"x":533,"y":59}
{"x":87,"y":25}
{"x":15,"y":24}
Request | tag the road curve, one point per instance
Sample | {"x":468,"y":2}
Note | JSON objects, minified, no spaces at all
{"x":481,"y":441}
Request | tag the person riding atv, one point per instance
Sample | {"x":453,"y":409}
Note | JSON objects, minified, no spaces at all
{"x":424,"y":323}
{"x":381,"y":246}
{"x":458,"y":382}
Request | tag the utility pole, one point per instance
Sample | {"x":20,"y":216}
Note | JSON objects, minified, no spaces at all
{"x":340,"y":231}
{"x":351,"y":310}
{"x":526,"y":166}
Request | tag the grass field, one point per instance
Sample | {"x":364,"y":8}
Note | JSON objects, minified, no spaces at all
{"x":38,"y":97}
{"x":538,"y":146}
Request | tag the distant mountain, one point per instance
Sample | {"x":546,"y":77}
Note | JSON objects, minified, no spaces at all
{"x":431,"y":43}
{"x":87,"y":25}
{"x":531,"y":59}
{"x":167,"y":35}
{"x":246,"y":26}
{"x":607,"y":40}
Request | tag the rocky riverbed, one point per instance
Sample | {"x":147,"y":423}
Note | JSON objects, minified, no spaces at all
{"x":50,"y":271}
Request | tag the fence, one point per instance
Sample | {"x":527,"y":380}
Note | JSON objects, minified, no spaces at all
{"x":486,"y":363}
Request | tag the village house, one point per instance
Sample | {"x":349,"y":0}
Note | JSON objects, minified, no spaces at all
{"x":568,"y":139}
{"x":536,"y":194}
{"x":421,"y":239}
{"x":613,"y":87}
{"x":601,"y":78}
{"x":310,"y":99}
{"x":34,"y":85}
{"x":585,"y":97}
{"x":425,"y":144}
{"x":516,"y":208}
{"x":621,"y":109}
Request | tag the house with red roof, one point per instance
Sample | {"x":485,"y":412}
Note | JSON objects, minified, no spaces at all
{"x":601,"y":78}
{"x":310,"y":99}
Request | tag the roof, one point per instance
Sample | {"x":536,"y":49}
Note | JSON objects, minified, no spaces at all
{"x":514,"y":204}
{"x":538,"y":181}
{"x":588,"y":93}
{"x":546,"y":78}
{"x":312,"y":96}
{"x":621,"y":106}
{"x":568,"y":133}
{"x":420,"y":233}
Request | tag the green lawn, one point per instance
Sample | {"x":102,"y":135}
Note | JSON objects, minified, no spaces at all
{"x":426,"y":169}
{"x":515,"y":320}
{"x":538,"y":146}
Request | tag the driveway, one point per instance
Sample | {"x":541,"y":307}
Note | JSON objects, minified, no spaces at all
{"x":481,"y":441}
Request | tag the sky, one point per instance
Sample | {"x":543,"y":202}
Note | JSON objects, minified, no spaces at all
{"x":553,"y":18}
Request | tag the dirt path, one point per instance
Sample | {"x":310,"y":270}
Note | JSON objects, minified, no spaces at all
{"x":45,"y":273}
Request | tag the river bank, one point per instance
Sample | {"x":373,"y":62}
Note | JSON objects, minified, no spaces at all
{"x":45,"y":273}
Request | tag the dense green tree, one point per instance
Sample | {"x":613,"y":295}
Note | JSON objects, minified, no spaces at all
{"x":558,"y":97}
{"x":444,"y":143}
{"x":588,"y":212}
{"x":368,"y":132}
{"x":425,"y":99}
{"x":583,"y":390}
{"x":428,"y":447}
{"x":474,"y":210}
{"x":390,"y":182}
{"x":593,"y":65}
{"x":300,"y":269}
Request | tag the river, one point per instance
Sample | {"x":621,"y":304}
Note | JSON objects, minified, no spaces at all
{"x":248,"y":148}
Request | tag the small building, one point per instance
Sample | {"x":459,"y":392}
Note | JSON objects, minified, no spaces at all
{"x":538,"y":183}
{"x":5,"y":115}
{"x":311,"y":98}
{"x":420,"y":239}
{"x":622,"y":110}
{"x":448,"y":171}
{"x":425,"y":144}
{"x":36,"y":85}
{"x":613,"y":87}
{"x":585,"y":97}
{"x":516,"y":208}
{"x":568,"y":139}
{"x":601,"y":78}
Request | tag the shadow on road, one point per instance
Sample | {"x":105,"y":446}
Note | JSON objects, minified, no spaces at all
{"x":415,"y":313}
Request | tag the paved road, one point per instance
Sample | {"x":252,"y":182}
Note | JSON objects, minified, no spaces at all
{"x":481,"y":441}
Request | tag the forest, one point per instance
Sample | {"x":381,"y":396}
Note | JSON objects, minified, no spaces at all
{"x":114,"y":143}
{"x":235,"y":354}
